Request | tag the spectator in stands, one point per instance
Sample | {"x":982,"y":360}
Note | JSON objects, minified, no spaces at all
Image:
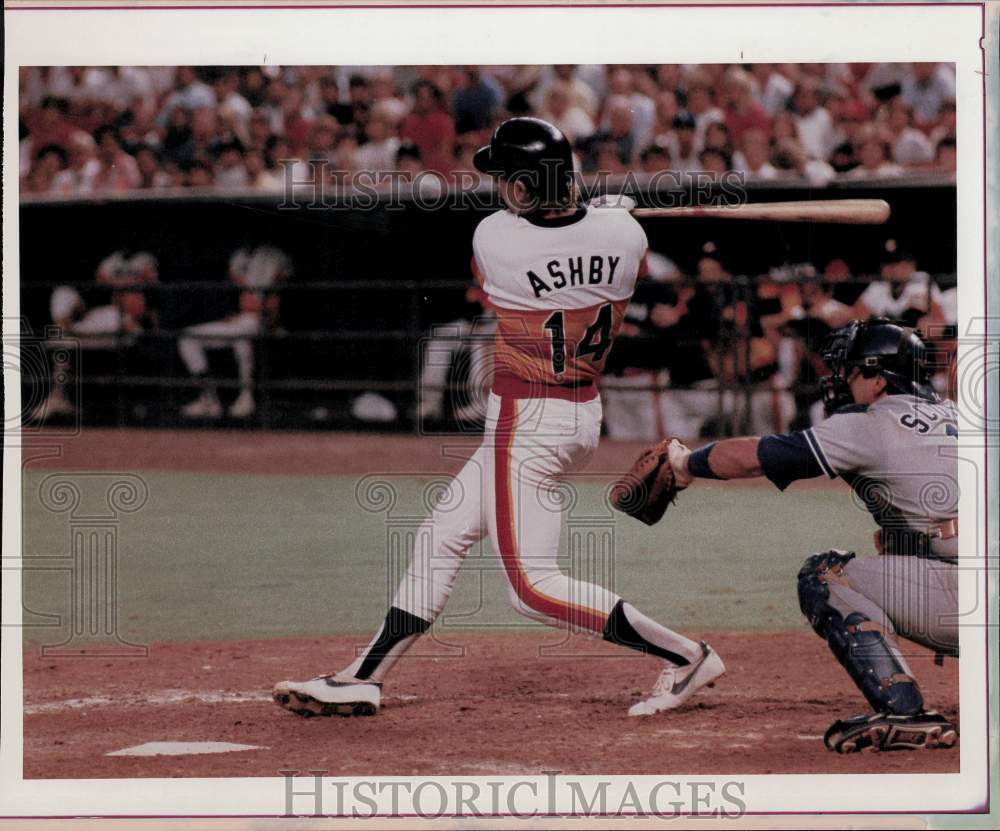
{"x":259,"y":177}
{"x":378,"y":153}
{"x":685,"y":158}
{"x":185,"y":119}
{"x":408,"y":161}
{"x":701,"y":105}
{"x":296,"y":120}
{"x":77,"y":177}
{"x":655,"y":159}
{"x":743,"y":112}
{"x":129,"y":312}
{"x":608,"y":159}
{"x":716,"y":162}
{"x":231,"y":103}
{"x":118,"y":170}
{"x":178,"y":147}
{"x":582,"y":95}
{"x":360,"y":100}
{"x":137,"y":125}
{"x":945,"y":157}
{"x":331,"y":103}
{"x":567,"y":116}
{"x":618,"y":135}
{"x":46,"y":128}
{"x":812,"y":121}
{"x":642,"y":109}
{"x":667,"y":110}
{"x":476,"y":102}
{"x":873,"y":153}
{"x":151,"y":175}
{"x":256,"y":270}
{"x":430,"y":128}
{"x":323,"y":142}
{"x":49,"y":163}
{"x":753,"y":157}
{"x":790,"y":158}
{"x":927,"y":88}
{"x":189,"y":94}
{"x":850,"y":118}
{"x":230,"y":172}
{"x":199,"y":175}
{"x":259,"y":131}
{"x":946,"y":124}
{"x":774,"y":89}
{"x":718,"y":137}
{"x":910,"y":146}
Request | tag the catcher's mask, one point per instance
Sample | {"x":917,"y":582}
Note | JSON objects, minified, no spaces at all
{"x":534,"y":152}
{"x":875,"y":347}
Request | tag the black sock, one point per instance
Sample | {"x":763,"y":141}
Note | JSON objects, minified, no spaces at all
{"x":398,"y":625}
{"x":618,"y":629}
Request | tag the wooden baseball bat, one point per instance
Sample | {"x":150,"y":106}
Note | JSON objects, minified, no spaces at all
{"x":847,"y":211}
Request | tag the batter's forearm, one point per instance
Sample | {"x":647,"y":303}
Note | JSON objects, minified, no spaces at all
{"x":727,"y":459}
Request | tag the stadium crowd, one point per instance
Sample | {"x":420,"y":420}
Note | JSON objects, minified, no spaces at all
{"x":86,"y":130}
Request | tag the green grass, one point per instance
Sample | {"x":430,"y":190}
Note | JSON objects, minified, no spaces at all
{"x":232,"y":556}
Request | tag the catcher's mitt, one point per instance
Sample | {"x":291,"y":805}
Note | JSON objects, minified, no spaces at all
{"x":648,"y":487}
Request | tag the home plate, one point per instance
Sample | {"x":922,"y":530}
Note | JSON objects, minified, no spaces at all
{"x":182,"y":748}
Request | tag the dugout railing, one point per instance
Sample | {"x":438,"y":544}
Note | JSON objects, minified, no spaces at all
{"x":369,"y":288}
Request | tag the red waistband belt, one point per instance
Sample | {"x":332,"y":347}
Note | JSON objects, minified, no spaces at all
{"x":510,"y":386}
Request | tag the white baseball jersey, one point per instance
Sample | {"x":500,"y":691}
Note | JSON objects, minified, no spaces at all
{"x":917,"y":294}
{"x":261,"y":267}
{"x":559,"y":287}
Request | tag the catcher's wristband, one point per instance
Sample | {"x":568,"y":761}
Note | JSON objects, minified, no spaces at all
{"x":698,"y":463}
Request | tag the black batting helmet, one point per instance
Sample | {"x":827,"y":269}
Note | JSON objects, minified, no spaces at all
{"x":535,"y":152}
{"x":876,"y":347}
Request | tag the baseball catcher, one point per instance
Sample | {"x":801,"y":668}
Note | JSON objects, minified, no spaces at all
{"x":891,"y":438}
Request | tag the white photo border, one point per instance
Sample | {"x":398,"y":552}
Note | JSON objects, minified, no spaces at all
{"x":212,"y":33}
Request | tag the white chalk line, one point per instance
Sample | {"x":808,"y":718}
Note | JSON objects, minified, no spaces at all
{"x":165,"y":698}
{"x":172,"y":698}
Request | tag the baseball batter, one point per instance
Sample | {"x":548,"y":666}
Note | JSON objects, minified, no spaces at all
{"x":559,"y":276}
{"x":894,"y":441}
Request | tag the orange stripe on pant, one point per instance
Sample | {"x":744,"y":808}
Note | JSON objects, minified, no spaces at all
{"x":506,"y":511}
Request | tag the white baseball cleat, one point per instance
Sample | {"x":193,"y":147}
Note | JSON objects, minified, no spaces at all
{"x":677,"y":684}
{"x":328,"y":696}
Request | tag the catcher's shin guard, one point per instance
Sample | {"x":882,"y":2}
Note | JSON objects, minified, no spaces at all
{"x":861,"y":648}
{"x":923,"y":731}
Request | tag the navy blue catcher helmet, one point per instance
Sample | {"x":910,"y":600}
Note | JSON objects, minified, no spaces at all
{"x":876,"y":347}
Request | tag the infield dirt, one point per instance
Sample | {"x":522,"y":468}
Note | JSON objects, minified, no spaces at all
{"x":472,"y":702}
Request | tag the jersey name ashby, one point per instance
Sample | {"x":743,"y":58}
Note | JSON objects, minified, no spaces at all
{"x":574,"y":271}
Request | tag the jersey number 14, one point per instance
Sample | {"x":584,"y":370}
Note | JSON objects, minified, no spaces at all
{"x":595,"y":341}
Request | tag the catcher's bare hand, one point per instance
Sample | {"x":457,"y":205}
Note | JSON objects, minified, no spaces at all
{"x":677,"y":453}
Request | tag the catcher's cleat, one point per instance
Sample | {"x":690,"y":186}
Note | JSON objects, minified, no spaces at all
{"x":883,"y":731}
{"x":328,"y":696}
{"x":677,"y":684}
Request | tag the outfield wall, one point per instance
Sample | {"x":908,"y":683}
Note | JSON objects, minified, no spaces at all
{"x":369,"y":283}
